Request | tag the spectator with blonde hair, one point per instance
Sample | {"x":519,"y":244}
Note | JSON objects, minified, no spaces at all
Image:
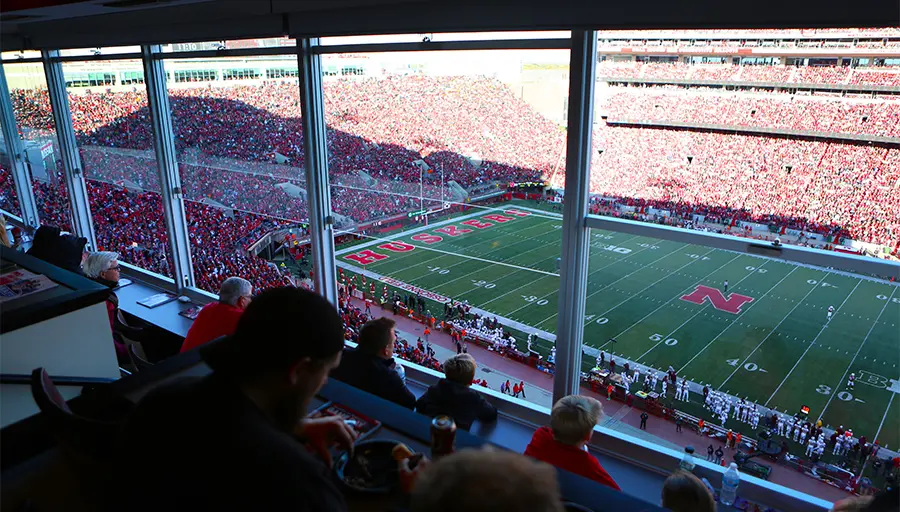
{"x":488,"y":481}
{"x":564,"y":443}
{"x":452,"y":395}
{"x":684,"y":492}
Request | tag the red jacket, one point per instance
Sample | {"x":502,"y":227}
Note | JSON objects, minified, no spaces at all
{"x":544,"y":448}
{"x":215,"y":319}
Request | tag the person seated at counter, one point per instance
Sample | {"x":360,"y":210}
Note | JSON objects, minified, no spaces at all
{"x":64,"y":250}
{"x":486,"y":481}
{"x":370,"y":366}
{"x":103,"y":267}
{"x":563,"y":444}
{"x":220,"y":318}
{"x":227,"y":441}
{"x":454,"y":397}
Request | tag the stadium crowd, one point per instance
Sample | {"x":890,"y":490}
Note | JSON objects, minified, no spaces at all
{"x":240,"y":154}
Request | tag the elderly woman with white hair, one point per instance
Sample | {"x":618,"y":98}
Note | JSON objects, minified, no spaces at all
{"x":103,"y":267}
{"x":220,"y":318}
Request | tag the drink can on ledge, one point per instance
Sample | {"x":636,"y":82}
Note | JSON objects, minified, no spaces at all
{"x":443,"y":436}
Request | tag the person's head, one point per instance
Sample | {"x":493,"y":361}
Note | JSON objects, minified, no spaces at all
{"x":236,"y":292}
{"x":486,"y":481}
{"x":285,"y":344}
{"x":460,"y":369}
{"x":684,"y":492}
{"x":377,"y":337}
{"x":574,"y":417}
{"x":102,"y":265}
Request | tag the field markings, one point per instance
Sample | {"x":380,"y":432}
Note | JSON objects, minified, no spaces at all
{"x":799,"y":302}
{"x":738,"y":317}
{"x":813,"y":342}
{"x":642,"y":267}
{"x":707,"y":304}
{"x":678,"y":295}
{"x":831,"y":398}
{"x":886,"y":411}
{"x":533,"y":282}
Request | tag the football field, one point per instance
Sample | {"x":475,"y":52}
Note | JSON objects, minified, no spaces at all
{"x":767,"y":338}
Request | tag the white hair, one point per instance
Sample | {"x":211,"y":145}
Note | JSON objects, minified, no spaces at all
{"x":233,"y":289}
{"x":98,"y":262}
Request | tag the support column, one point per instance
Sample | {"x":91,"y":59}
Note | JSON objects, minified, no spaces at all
{"x":82,"y":224}
{"x":171,"y":190}
{"x":16,"y":152}
{"x":315,"y":147}
{"x":575,"y":236}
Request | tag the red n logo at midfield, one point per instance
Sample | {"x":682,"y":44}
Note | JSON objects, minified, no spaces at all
{"x":732,"y":304}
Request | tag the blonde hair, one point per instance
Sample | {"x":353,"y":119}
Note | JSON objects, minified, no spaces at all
{"x":486,"y":481}
{"x":4,"y":236}
{"x":684,"y":492}
{"x":460,"y":368}
{"x":574,"y":417}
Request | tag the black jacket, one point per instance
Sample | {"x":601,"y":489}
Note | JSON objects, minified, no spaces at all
{"x":463,"y":404}
{"x":373,"y":375}
{"x":64,"y":251}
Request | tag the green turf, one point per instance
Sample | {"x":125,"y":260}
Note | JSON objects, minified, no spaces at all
{"x":777,"y":351}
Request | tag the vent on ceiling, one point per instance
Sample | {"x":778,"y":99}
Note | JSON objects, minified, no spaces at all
{"x":125,"y":4}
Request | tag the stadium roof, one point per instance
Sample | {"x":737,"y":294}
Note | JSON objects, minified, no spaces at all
{"x":30,"y":24}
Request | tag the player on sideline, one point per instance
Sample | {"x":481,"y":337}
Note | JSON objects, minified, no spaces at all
{"x":851,"y":380}
{"x":726,"y":286}
{"x":830,"y":311}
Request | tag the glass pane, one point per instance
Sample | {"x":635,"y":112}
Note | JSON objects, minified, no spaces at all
{"x":432,"y":156}
{"x":9,"y":201}
{"x":31,"y":105}
{"x":268,"y":42}
{"x":444,"y":37}
{"x":21,"y":54}
{"x":240,"y":151}
{"x":717,"y":139}
{"x":107,"y":50}
{"x":113,"y":130}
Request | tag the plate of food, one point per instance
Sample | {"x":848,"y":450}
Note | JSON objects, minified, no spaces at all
{"x":372,"y":468}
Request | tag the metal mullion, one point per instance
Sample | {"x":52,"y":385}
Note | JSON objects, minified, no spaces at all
{"x":82,"y":223}
{"x":169,"y":178}
{"x":21,"y":61}
{"x":16,"y":151}
{"x":501,"y":44}
{"x":574,"y":250}
{"x":321,"y":222}
{"x":790,"y":253}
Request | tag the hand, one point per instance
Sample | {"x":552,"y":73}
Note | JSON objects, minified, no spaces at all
{"x":323,"y":433}
{"x":408,"y":476}
{"x":854,"y":504}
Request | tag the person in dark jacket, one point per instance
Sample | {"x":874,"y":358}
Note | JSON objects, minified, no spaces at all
{"x":103,"y":267}
{"x":63,"y":250}
{"x":370,"y":366}
{"x":452,"y":395}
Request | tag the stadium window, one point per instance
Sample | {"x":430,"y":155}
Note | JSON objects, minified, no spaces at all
{"x":31,"y":106}
{"x":9,"y":200}
{"x":239,"y":147}
{"x":96,"y":51}
{"x":242,"y":44}
{"x":436,"y":164}
{"x":115,"y":142}
{"x":273,"y":73}
{"x":442,"y":37}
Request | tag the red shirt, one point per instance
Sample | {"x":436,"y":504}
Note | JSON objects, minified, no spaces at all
{"x":569,"y":458}
{"x":215,"y":319}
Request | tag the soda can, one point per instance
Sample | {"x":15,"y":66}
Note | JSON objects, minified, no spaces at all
{"x":443,"y":436}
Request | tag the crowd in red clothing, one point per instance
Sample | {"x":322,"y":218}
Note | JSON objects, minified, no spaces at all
{"x":835,"y":115}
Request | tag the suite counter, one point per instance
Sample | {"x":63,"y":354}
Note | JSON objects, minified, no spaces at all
{"x":64,"y":329}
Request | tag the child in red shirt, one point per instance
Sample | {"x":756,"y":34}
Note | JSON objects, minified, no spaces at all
{"x":572,"y":422}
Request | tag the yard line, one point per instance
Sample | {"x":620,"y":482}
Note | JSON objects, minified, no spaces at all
{"x":888,"y":301}
{"x":532,"y":282}
{"x":886,"y":411}
{"x":799,"y":302}
{"x":610,"y":284}
{"x":811,"y":343}
{"x":666,"y":302}
{"x":706,"y":305}
{"x":738,"y":317}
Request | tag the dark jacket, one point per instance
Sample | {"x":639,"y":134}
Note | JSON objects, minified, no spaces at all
{"x":64,"y":251}
{"x":119,"y":328}
{"x":375,"y":375}
{"x":463,"y":404}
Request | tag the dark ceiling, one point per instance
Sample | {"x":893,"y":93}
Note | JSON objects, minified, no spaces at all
{"x":34,"y":24}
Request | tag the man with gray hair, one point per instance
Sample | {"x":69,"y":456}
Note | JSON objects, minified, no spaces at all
{"x":218,"y":319}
